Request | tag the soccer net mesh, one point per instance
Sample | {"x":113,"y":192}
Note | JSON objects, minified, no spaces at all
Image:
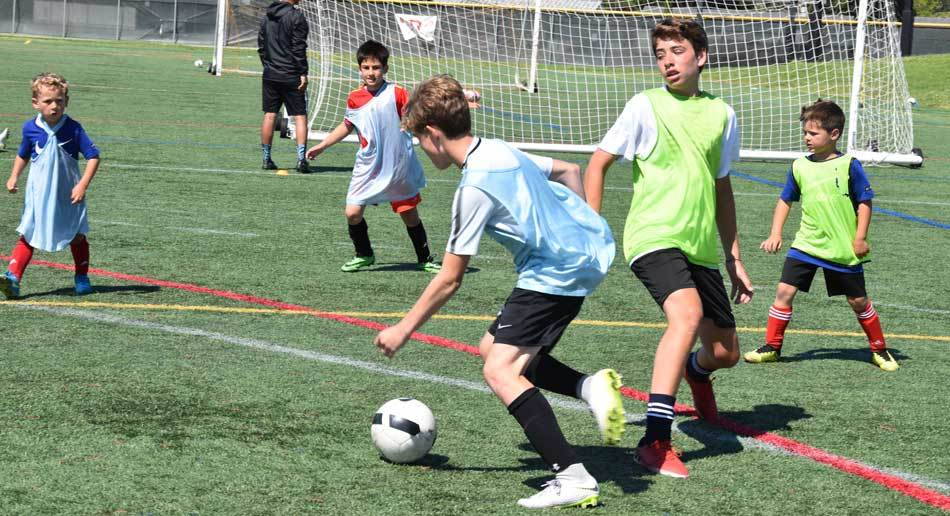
{"x":555,"y":74}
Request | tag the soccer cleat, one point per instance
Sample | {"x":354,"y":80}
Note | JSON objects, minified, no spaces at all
{"x":884,"y":360}
{"x":765,"y":353}
{"x":431,"y":267}
{"x":607,"y":405}
{"x":303,"y":166}
{"x":83,"y":286}
{"x":703,"y":397}
{"x":268,"y":165}
{"x":9,"y":285}
{"x":660,"y":457}
{"x":558,"y":494}
{"x":358,"y":263}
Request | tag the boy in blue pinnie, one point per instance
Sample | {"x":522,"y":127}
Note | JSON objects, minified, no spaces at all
{"x":54,"y":206}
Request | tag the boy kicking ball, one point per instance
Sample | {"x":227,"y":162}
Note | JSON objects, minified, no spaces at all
{"x":534,"y":207}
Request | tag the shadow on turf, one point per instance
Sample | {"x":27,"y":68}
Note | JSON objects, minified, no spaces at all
{"x":855,"y":354}
{"x":320,"y":169}
{"x":120,"y":289}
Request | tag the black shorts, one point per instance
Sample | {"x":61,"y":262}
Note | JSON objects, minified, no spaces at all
{"x":532,"y":318}
{"x":274,"y":94}
{"x":800,"y":274}
{"x":667,"y":270}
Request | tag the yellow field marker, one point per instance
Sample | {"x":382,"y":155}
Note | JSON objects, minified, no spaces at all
{"x":445,"y":317}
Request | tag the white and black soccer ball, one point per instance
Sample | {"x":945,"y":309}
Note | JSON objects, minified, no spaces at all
{"x":403,"y":430}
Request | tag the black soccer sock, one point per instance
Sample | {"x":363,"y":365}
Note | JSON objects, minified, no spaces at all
{"x":535,"y":416}
{"x":547,"y":373}
{"x":359,"y":234}
{"x":659,"y":418}
{"x":696,"y":371}
{"x":420,"y":242}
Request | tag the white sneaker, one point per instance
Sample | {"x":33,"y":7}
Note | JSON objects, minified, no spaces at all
{"x":562,"y":494}
{"x":603,"y":397}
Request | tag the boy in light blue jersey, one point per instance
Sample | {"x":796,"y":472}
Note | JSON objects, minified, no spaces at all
{"x":534,"y":207}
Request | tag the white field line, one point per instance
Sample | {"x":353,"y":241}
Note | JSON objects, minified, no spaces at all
{"x":557,"y":401}
{"x":489,"y":257}
{"x":204,"y":231}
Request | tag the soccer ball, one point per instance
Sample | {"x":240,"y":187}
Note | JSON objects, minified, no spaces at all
{"x":472,"y":96}
{"x":403,"y":430}
{"x":199,"y":63}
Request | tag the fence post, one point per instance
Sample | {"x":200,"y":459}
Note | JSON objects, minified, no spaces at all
{"x":175,"y":22}
{"x":65,"y":12}
{"x":118,"y":19}
{"x":907,"y":28}
{"x":13,"y":18}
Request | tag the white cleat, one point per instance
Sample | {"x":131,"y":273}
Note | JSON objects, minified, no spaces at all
{"x":556,"y":493}
{"x":606,"y":404}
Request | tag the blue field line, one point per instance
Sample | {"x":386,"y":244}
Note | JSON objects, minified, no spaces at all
{"x":518,"y":117}
{"x":883,"y":211}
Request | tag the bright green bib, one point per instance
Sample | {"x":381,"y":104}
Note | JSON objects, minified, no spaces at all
{"x":674,"y":187}
{"x":829,"y":221}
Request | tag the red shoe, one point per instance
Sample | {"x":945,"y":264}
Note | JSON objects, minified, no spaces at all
{"x":703,"y":397}
{"x":660,"y":457}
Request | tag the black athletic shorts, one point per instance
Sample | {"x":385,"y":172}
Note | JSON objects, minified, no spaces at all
{"x":274,"y":94}
{"x":667,"y":270}
{"x":532,"y":318}
{"x":800,"y":274}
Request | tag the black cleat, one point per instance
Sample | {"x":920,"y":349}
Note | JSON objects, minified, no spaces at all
{"x":268,"y":165}
{"x":303,"y":166}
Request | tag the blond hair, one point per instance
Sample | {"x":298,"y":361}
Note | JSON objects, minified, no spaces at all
{"x":439,"y":102}
{"x":50,"y":80}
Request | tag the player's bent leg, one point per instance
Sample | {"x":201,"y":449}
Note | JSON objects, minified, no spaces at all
{"x":720,"y":351}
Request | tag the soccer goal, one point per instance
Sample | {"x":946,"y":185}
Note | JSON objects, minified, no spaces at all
{"x":555,"y":74}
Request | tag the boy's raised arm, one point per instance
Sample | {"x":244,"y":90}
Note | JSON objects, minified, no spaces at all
{"x":597,"y":167}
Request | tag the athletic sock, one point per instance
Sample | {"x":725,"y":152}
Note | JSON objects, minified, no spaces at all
{"x":547,"y":373}
{"x":659,"y":418}
{"x":775,"y":328}
{"x":420,"y":242}
{"x":301,"y":151}
{"x":696,"y":371}
{"x":871,"y":324}
{"x":359,"y":234}
{"x":265,"y":149}
{"x":534,"y":414}
{"x":80,"y":249}
{"x":22,"y":254}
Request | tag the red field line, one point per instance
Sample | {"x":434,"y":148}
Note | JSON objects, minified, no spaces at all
{"x":893,"y":482}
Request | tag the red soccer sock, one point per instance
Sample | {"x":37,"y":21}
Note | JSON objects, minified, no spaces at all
{"x":775,"y":328}
{"x":22,"y":254}
{"x":80,"y":248}
{"x":871,"y":324}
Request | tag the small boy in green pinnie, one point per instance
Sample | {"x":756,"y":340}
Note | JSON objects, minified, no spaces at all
{"x":836,"y":213}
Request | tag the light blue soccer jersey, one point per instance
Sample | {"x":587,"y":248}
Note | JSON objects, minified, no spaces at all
{"x":559,"y":244}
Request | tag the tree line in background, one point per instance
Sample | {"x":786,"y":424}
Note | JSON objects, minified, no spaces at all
{"x":921,"y":7}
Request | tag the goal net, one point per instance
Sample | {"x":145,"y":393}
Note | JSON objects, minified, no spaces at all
{"x":555,"y":74}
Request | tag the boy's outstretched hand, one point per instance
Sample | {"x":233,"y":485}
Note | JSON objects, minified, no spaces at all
{"x":741,"y":284}
{"x":390,"y":340}
{"x":771,"y":244}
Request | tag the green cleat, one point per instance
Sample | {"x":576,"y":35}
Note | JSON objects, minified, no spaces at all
{"x":357,"y":263}
{"x":765,"y":353}
{"x":430,"y":267}
{"x":607,"y":405}
{"x":884,"y":360}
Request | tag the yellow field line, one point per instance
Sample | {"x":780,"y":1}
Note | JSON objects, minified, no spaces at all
{"x":446,"y":317}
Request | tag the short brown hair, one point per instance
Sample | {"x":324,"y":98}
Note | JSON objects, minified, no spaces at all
{"x":829,"y":115}
{"x":439,"y":102}
{"x":50,"y":80}
{"x":677,"y":29}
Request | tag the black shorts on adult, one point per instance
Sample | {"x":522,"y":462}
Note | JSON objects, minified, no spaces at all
{"x":532,"y":318}
{"x":800,"y":274}
{"x":667,"y":270}
{"x":274,"y":94}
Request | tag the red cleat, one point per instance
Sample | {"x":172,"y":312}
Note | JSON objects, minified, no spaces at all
{"x":660,"y":457}
{"x":703,"y":397}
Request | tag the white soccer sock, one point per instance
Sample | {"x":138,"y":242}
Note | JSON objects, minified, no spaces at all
{"x":583,"y":387}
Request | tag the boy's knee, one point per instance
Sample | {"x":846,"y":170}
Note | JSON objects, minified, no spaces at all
{"x":858,"y":304}
{"x":726,"y":356}
{"x":686,"y":318}
{"x":353,"y":215}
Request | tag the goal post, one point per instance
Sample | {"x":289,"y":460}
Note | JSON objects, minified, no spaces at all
{"x":555,"y":74}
